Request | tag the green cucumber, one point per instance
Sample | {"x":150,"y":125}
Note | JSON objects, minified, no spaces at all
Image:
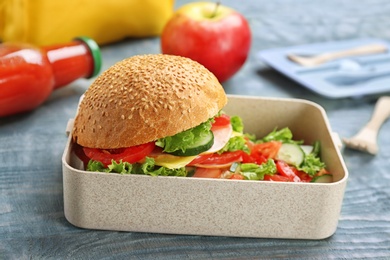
{"x":326,"y":178}
{"x":307,"y":149}
{"x":291,"y":154}
{"x":316,"y":148}
{"x":202,"y":145}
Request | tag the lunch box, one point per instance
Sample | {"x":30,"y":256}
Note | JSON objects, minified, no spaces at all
{"x":217,"y":207}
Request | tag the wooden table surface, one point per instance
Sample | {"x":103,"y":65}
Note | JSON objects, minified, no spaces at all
{"x":32,"y":222}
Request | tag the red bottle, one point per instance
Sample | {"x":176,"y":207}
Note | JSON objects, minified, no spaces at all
{"x":29,"y":74}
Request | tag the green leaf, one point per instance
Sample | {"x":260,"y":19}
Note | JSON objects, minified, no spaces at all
{"x":311,"y":164}
{"x":121,"y":167}
{"x":282,"y":135}
{"x":251,"y":137}
{"x":184,"y":139}
{"x":252,"y":171}
{"x":95,"y":166}
{"x":235,"y":143}
{"x":147,"y":168}
{"x":237,"y":124}
{"x":316,"y":148}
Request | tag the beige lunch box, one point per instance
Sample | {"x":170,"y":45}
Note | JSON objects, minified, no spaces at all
{"x":217,"y":207}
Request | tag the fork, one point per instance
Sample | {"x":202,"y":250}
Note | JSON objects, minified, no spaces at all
{"x":366,"y":139}
{"x":328,"y":56}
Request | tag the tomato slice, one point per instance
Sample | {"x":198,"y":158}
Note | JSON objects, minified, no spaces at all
{"x":276,"y":177}
{"x":216,"y":159}
{"x":268,"y":149}
{"x":207,"y":173}
{"x":200,"y":158}
{"x":260,"y":153}
{"x":78,"y":150}
{"x":285,"y":170}
{"x":322,"y":172}
{"x":253,"y":157}
{"x":302,"y":175}
{"x":221,"y":121}
{"x":130,"y":154}
{"x":236,"y":176}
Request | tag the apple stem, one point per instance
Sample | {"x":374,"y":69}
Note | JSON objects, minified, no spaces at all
{"x":217,"y":4}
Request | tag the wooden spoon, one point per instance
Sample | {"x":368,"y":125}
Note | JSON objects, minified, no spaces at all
{"x":366,"y":139}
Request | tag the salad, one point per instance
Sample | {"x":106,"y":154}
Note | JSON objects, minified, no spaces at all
{"x":218,"y":148}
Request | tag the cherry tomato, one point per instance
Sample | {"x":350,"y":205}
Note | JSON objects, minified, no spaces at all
{"x":207,"y":173}
{"x":285,"y":170}
{"x":130,"y":154}
{"x":221,"y":121}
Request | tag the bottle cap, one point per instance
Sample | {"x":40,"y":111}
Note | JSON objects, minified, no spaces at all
{"x":96,"y":54}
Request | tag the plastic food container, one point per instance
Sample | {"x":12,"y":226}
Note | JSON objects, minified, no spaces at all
{"x":217,"y":207}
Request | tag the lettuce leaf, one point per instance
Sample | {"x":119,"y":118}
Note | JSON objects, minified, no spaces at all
{"x":237,"y":124}
{"x":235,"y":143}
{"x":311,"y":164}
{"x":95,"y":166}
{"x":185,"y":139}
{"x":283,"y":135}
{"x":252,"y":171}
{"x":147,"y":168}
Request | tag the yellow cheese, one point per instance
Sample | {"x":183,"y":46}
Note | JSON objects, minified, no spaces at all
{"x":172,"y":161}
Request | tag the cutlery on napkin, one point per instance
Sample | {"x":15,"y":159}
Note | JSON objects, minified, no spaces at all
{"x":318,"y":59}
{"x":352,"y":79}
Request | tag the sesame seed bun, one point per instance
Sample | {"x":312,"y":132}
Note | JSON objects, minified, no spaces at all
{"x":144,"y":98}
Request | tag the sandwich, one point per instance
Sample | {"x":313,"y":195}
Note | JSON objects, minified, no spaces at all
{"x":156,"y":106}
{"x":162,"y":115}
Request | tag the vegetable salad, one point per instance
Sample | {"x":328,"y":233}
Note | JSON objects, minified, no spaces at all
{"x":218,"y":148}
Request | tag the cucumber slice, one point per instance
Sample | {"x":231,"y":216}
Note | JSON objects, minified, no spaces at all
{"x":198,"y":147}
{"x":291,"y":154}
{"x":307,"y":148}
{"x":326,"y":178}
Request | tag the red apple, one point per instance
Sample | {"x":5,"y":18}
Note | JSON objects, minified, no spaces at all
{"x":216,"y":36}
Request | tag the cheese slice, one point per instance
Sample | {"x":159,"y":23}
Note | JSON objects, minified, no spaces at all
{"x":171,"y":161}
{"x":221,"y":138}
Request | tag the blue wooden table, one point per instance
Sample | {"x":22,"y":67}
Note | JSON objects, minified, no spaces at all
{"x":32,"y":222}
